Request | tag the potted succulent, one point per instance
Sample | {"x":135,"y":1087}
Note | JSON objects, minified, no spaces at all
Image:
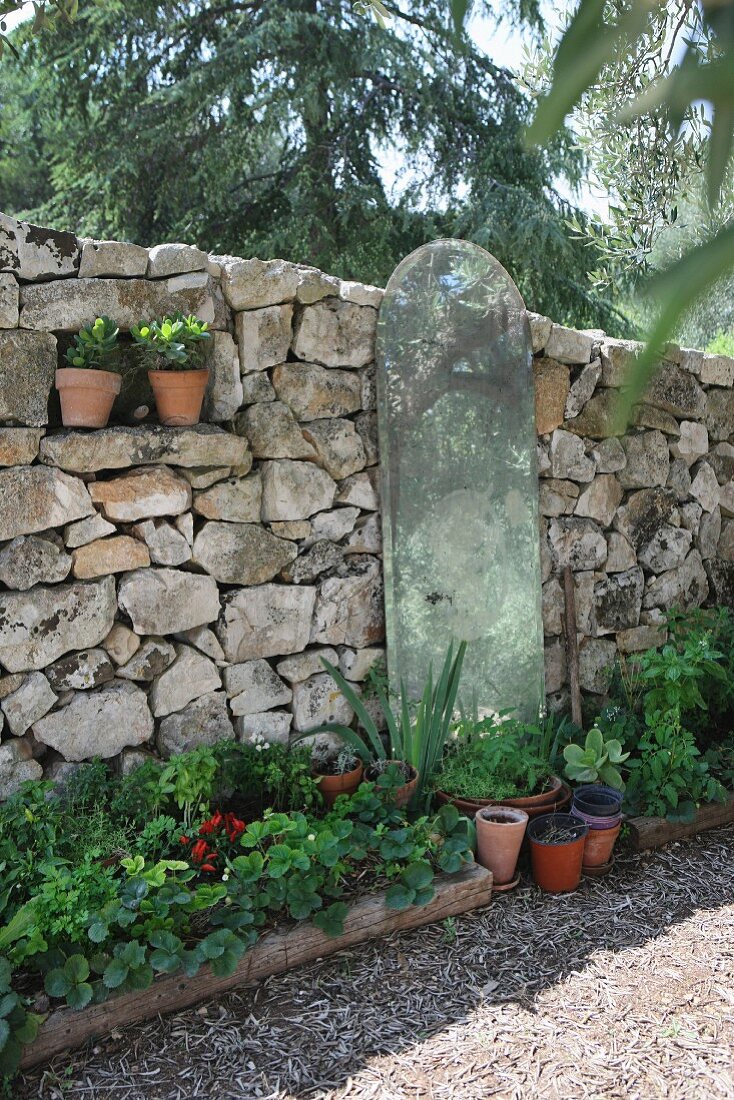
{"x":336,"y":772}
{"x":500,"y":833}
{"x":598,"y":802}
{"x":87,"y":387}
{"x":557,"y":851}
{"x":172,"y":347}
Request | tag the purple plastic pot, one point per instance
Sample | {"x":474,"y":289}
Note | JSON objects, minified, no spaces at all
{"x":597,"y":800}
{"x":597,"y":822}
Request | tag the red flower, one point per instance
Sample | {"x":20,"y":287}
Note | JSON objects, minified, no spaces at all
{"x":198,"y":852}
{"x":208,"y":867}
{"x":183,"y":840}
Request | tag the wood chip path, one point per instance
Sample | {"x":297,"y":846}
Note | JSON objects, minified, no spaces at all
{"x":622,"y":990}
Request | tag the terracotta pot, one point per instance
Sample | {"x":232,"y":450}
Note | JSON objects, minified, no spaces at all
{"x":500,"y":832}
{"x":400,"y":795}
{"x":560,"y":798}
{"x":599,"y":846}
{"x":87,"y":396}
{"x":557,"y":866}
{"x":179,"y":395}
{"x":331,"y":786}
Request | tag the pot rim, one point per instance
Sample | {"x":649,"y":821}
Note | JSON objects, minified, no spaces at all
{"x":571,"y":821}
{"x":511,"y":815}
{"x":342,"y":775}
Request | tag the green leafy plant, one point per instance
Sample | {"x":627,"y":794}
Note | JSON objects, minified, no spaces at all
{"x":18,"y":1025}
{"x":189,"y":779}
{"x":597,"y":761}
{"x":495,"y":758}
{"x":70,"y":981}
{"x":94,"y":346}
{"x":171,"y":343}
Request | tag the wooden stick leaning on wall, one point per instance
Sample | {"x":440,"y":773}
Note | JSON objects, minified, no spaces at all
{"x":572,"y":649}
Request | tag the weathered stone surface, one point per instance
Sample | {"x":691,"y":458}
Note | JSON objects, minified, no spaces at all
{"x":39,"y":626}
{"x":19,"y":446}
{"x":118,"y":448}
{"x":235,"y":501}
{"x":349,"y":609}
{"x":251,"y":284}
{"x":204,"y":640}
{"x":578,"y":543}
{"x":362,"y":294}
{"x":292,"y":529}
{"x":366,"y":425}
{"x":29,"y":560}
{"x":690,"y":516}
{"x":272,"y":432}
{"x":693,"y":442}
{"x":150,"y":491}
{"x":268,"y":621}
{"x":617,"y":357}
{"x":273,"y":727}
{"x":303,"y":665}
{"x":649,"y":416}
{"x":202,"y":477}
{"x":356,"y":664}
{"x":677,"y":392}
{"x":639,"y":638}
{"x":312,"y":392}
{"x":552,"y":381}
{"x":648,"y":461}
{"x":166,"y":601}
{"x":253,"y":687}
{"x":555,"y":666}
{"x":314,"y":285}
{"x":80,"y":671}
{"x":224,"y":392}
{"x":335,"y":334}
{"x":34,"y":252}
{"x":582,"y":389}
{"x":153,"y":657}
{"x":9,"y":684}
{"x":719,"y":414}
{"x":360,"y":490}
{"x":667,"y":549}
{"x":725,"y":548}
{"x":609,"y":456}
{"x":568,"y":458}
{"x":596,"y":664}
{"x":721,"y":575}
{"x":98,"y":723}
{"x":339,"y":447}
{"x":241,"y":553}
{"x":721,"y":461}
{"x":334,"y":525}
{"x":691,"y":360}
{"x":717,"y":370}
{"x":113,"y":555}
{"x":709,"y":534}
{"x":618,"y":601}
{"x":705,"y":487}
{"x":620,"y":554}
{"x":16,"y":766}
{"x":644,"y":513}
{"x":263,"y":337}
{"x":112,"y":259}
{"x":185,"y":526}
{"x":256,"y":386}
{"x":69,"y":305}
{"x":87,"y":530}
{"x":189,"y":677}
{"x":295,"y":490}
{"x":204,"y":721}
{"x":599,"y":418}
{"x":366,"y":537}
{"x":686,"y":586}
{"x":321,"y":557}
{"x":568,"y":346}
{"x":165,"y":544}
{"x":27,"y":367}
{"x":33,"y":498}
{"x":175,"y":259}
{"x":679,"y":479}
{"x":318,"y":700}
{"x":121,"y":643}
{"x":9,"y":301}
{"x":31,"y":701}
{"x":552,"y":607}
{"x":540,"y":330}
{"x":369,"y":387}
{"x":600,"y":499}
{"x":726,"y":499}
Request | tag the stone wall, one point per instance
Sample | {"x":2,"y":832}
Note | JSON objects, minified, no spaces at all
{"x":160,"y":587}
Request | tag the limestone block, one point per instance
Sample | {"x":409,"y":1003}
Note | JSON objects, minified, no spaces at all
{"x":359,"y":490}
{"x":705,"y":487}
{"x":721,"y":575}
{"x":17,"y":766}
{"x":693,"y":442}
{"x":555,"y":666}
{"x":335,"y":525}
{"x":43,"y":624}
{"x":709,"y":534}
{"x":9,"y":301}
{"x":292,"y":529}
{"x":617,"y":358}
{"x":252,"y":284}
{"x":165,"y":544}
{"x":568,"y":458}
{"x":719,"y":414}
{"x":356,"y":664}
{"x":643,"y":513}
{"x":273,"y":727}
{"x":270,"y":620}
{"x":318,"y":700}
{"x":204,"y":721}
{"x":596,"y":664}
{"x":366,"y":537}
{"x":667,"y":549}
{"x":224,"y":394}
{"x":272,"y":432}
{"x":166,"y":601}
{"x":568,"y":346}
{"x":113,"y":555}
{"x":677,"y":392}
{"x":618,"y":601}
{"x":256,"y":386}
{"x":600,"y":499}
{"x":118,"y":448}
{"x":28,"y":363}
{"x":649,"y":416}
{"x":140,"y":494}
{"x":235,"y":501}
{"x":88,"y":668}
{"x":153,"y":657}
{"x":552,"y":382}
{"x":339,"y":447}
{"x":648,"y":461}
{"x":362,"y":294}
{"x":639,"y":638}
{"x":175,"y":259}
{"x":314,"y":285}
{"x":578,"y":543}
{"x":679,"y":479}
{"x":205,"y":640}
{"x":294,"y":490}
{"x":349,"y":609}
{"x":313,"y":392}
{"x":721,"y":461}
{"x":609,"y":456}
{"x":540,"y":330}
{"x":19,"y":446}
{"x":253,"y":687}
{"x":620,"y":554}
{"x":31,"y":701}
{"x":335,"y":334}
{"x":263,"y":337}
{"x":687,"y":586}
{"x":582,"y":389}
{"x":112,"y":259}
{"x":121,"y":643}
{"x":303,"y":665}
{"x":33,"y":252}
{"x":33,"y":498}
{"x":98,"y":723}
{"x":717,"y":370}
{"x":241,"y":553}
{"x":189,"y":677}
{"x":321,"y":557}
{"x":599,"y":418}
{"x":29,"y":560}
{"x":87,"y":530}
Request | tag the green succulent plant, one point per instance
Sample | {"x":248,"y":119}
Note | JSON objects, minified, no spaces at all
{"x":94,"y":345}
{"x":597,"y":761}
{"x":172,"y":343}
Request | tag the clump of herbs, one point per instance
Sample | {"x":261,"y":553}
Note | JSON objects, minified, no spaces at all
{"x":326,"y":760}
{"x":497,"y":758}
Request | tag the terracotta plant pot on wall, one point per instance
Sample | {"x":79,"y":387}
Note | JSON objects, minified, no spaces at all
{"x":179,"y":395}
{"x":401,"y":796}
{"x":86,"y":395}
{"x":557,"y":851}
{"x":500,"y":833}
{"x":331,"y":786}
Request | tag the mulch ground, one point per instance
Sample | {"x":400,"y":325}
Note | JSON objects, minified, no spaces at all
{"x":624,"y":989}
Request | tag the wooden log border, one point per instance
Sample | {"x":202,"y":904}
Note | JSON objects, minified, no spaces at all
{"x":276,"y":952}
{"x":654,"y":832}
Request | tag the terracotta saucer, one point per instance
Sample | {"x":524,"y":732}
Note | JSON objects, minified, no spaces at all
{"x":598,"y":872}
{"x":505,"y":887}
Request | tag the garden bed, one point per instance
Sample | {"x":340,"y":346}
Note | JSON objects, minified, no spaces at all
{"x":654,"y":832}
{"x":278,"y":951}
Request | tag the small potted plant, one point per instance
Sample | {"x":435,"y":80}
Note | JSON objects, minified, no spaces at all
{"x":336,"y":772}
{"x":87,"y":388}
{"x":172,"y":347}
{"x":500,"y":833}
{"x":598,"y":801}
{"x":557,"y":851}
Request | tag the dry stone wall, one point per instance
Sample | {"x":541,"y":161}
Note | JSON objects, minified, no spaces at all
{"x":164,"y":587}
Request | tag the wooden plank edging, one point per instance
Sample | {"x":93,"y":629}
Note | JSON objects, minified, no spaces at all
{"x":276,"y":952}
{"x":654,"y":832}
